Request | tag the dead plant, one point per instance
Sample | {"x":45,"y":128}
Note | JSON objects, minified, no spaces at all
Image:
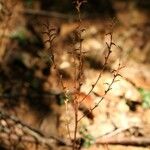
{"x":78,"y":63}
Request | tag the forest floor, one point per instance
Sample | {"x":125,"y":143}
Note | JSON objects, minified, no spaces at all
{"x":30,"y":90}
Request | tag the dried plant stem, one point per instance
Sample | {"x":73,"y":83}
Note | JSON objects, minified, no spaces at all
{"x":76,"y":125}
{"x":67,"y":120}
{"x":115,"y":75}
{"x":52,"y":34}
{"x":109,"y":46}
{"x":78,"y":73}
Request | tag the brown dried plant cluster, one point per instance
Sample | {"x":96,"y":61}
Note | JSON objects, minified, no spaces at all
{"x":78,"y":63}
{"x":77,"y":55}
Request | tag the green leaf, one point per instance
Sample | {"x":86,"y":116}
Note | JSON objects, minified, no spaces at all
{"x":29,"y":2}
{"x":145,"y":97}
{"x":88,"y":138}
{"x":20,"y":36}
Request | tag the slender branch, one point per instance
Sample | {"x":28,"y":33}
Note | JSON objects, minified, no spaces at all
{"x":135,"y":141}
{"x":115,"y":75}
{"x":78,"y":76}
{"x":35,"y":134}
{"x":118,"y":130}
{"x":109,"y":46}
{"x":43,"y":13}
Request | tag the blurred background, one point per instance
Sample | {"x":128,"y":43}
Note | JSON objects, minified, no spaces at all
{"x":29,"y":86}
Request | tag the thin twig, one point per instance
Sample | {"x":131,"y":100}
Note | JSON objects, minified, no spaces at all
{"x":115,"y":75}
{"x":43,"y":13}
{"x":109,"y":46}
{"x":135,"y":141}
{"x":35,"y":134}
{"x":117,"y":131}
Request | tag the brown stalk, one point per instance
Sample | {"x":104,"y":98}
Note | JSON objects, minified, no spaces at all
{"x":78,"y":76}
{"x":115,"y":75}
{"x":52,"y":35}
{"x":109,"y":46}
